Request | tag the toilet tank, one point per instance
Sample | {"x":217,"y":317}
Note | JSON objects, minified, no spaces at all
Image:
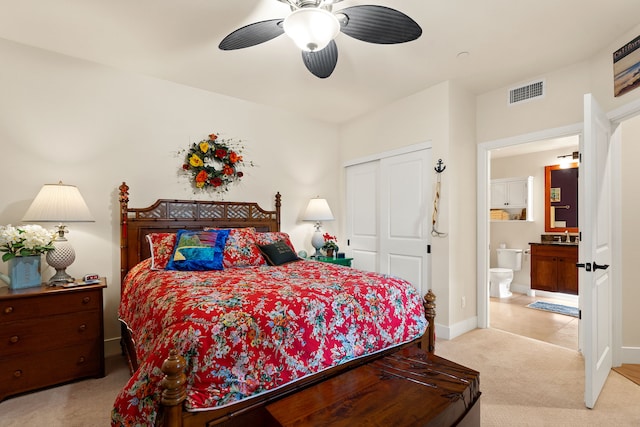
{"x":510,"y":258}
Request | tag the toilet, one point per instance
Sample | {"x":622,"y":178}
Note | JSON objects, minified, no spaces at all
{"x":509,"y":260}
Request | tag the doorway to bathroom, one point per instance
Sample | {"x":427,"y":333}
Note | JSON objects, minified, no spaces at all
{"x":512,"y":314}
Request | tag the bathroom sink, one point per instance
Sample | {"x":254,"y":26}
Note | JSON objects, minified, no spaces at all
{"x":561,"y":243}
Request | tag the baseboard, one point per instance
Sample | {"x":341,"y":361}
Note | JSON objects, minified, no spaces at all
{"x":556,"y":295}
{"x":520,"y":289}
{"x":450,"y":332}
{"x":112,"y":347}
{"x":630,"y":355}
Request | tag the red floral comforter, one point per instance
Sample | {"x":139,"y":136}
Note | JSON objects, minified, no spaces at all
{"x":243,"y":331}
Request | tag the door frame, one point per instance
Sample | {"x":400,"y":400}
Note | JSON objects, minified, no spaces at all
{"x":616,"y":116}
{"x":483,"y":194}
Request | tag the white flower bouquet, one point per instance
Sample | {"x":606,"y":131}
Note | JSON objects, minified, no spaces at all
{"x":26,"y":240}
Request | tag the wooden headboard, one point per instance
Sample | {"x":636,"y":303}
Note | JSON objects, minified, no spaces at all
{"x":167,"y":215}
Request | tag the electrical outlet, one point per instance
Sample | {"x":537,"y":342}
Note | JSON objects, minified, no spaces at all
{"x":463,"y":302}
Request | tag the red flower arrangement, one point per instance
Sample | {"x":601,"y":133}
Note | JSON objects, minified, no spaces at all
{"x":329,"y":242}
{"x":214,"y":163}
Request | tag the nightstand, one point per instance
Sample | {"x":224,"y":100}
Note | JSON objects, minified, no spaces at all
{"x":50,"y":335}
{"x":339,"y":261}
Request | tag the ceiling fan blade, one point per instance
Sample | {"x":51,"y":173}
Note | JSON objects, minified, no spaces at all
{"x":252,"y":34}
{"x":379,"y":24}
{"x":321,"y":63}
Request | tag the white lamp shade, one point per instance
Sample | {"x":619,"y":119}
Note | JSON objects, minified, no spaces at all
{"x":58,"y":203}
{"x":318,"y":210}
{"x":311,"y":28}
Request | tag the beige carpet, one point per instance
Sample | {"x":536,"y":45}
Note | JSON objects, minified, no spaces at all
{"x":524,"y":382}
{"x":84,"y":403}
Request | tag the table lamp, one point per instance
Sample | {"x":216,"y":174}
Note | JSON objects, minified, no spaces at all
{"x":59,"y":203}
{"x":318,"y":210}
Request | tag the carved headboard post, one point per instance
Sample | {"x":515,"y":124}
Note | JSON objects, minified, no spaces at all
{"x":278,"y":203}
{"x":124,"y":201}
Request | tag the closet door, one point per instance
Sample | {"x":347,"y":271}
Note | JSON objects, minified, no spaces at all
{"x":388,"y":210}
{"x":405,"y":213}
{"x":362,"y":214}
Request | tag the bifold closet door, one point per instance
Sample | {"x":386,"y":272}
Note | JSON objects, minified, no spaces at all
{"x":362,"y":214}
{"x":405,"y":213}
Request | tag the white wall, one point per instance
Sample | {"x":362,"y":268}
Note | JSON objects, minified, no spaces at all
{"x":631,"y":233}
{"x":94,"y":126}
{"x":443,"y":115}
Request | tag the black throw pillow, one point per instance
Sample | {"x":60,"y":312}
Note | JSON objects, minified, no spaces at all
{"x":278,"y":253}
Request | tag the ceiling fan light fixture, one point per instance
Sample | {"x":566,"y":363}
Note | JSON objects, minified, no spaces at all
{"x":311,"y":29}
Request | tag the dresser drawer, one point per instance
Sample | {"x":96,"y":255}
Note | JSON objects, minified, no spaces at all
{"x":27,"y":372}
{"x":49,"y":304}
{"x":35,"y":335}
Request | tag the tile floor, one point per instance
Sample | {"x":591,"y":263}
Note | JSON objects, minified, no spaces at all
{"x":512,"y":315}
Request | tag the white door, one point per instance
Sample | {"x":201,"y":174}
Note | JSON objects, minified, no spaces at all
{"x":362,"y":215}
{"x":595,"y":249}
{"x":405,"y":214}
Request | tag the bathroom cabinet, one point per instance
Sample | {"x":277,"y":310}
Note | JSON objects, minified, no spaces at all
{"x":513,"y":196}
{"x":553,"y":268}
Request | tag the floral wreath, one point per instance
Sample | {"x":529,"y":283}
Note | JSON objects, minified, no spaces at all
{"x":213,"y":163}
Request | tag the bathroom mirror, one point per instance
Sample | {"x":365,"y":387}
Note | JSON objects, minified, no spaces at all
{"x":561,"y":198}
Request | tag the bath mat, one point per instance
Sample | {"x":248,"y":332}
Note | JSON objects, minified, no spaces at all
{"x":555,"y":308}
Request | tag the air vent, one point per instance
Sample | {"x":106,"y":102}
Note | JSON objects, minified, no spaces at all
{"x":527,"y":92}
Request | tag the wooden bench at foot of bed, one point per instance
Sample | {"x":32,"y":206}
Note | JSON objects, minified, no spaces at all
{"x":407,"y":387}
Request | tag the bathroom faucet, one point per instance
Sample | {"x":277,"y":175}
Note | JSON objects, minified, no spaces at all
{"x":566,"y":235}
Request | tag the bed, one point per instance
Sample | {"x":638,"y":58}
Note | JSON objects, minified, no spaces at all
{"x":208,"y":347}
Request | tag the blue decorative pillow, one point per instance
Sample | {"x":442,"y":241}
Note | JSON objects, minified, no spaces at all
{"x":198,"y":250}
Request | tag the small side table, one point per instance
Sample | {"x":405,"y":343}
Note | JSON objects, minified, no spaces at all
{"x":339,"y":261}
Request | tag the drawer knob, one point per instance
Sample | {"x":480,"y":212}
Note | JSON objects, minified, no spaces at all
{"x":17,"y":373}
{"x":81,"y":359}
{"x":86,"y":300}
{"x":14,"y":339}
{"x":82,"y":328}
{"x":8,"y":310}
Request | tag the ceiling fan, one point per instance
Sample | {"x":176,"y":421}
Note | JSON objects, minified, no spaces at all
{"x":313,"y":26}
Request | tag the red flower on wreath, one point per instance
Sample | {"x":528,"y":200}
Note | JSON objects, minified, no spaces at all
{"x":216,"y":182}
{"x":221,"y":153}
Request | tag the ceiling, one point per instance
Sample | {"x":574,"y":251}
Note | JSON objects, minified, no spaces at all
{"x":508,"y":42}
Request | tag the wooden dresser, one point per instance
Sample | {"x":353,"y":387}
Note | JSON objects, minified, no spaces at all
{"x":50,"y":335}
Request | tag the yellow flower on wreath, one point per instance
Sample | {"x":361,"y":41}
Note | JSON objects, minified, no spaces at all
{"x":196,"y":161}
{"x":204,"y":146}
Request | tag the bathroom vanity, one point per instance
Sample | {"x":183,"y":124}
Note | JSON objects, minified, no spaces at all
{"x":553,"y":267}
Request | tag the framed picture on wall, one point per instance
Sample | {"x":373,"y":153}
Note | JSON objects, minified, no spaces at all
{"x":626,"y":68}
{"x":554,"y":194}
